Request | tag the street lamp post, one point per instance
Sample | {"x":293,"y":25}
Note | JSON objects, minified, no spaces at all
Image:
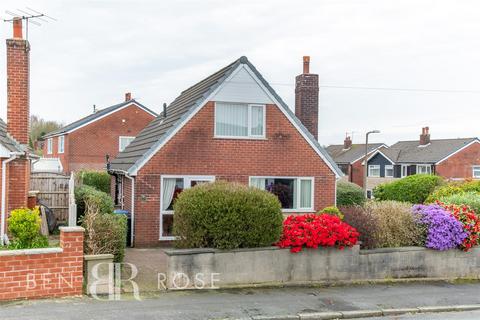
{"x":365,"y":168}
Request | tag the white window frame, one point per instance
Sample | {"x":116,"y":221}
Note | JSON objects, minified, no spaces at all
{"x":298,"y":180}
{"x":186,"y":185}
{"x":476,"y":172}
{"x":428,"y":166}
{"x":387,"y":167}
{"x":373,"y":166}
{"x":404,"y":171}
{"x":120,"y":143}
{"x":61,"y":144}
{"x":49,"y":145}
{"x":249,"y":122}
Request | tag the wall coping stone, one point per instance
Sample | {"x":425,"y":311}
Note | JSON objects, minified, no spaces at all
{"x":90,"y":257}
{"x":182,"y":252}
{"x":71,"y":229}
{"x":24,"y":252}
{"x":390,"y":250}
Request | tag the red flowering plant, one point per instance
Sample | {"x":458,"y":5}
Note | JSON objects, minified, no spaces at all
{"x":312,"y":231}
{"x":470,"y":221}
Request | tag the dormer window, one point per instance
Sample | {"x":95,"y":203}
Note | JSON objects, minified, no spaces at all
{"x":235,"y":120}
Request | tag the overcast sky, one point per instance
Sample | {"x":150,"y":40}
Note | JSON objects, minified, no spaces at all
{"x":98,"y":50}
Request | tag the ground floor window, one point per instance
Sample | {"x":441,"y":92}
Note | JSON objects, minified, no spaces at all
{"x":374,"y":170}
{"x":171,"y":187}
{"x":424,"y":169}
{"x":476,"y":172}
{"x":295,"y":194}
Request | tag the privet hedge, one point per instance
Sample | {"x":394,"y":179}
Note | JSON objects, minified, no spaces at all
{"x":413,"y":189}
{"x":226,"y":216}
{"x":100,"y":180}
{"x":349,"y":194}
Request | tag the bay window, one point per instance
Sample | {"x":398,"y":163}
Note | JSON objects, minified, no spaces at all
{"x":171,"y":187}
{"x":235,"y":120}
{"x":294,"y":194}
{"x":374,"y":170}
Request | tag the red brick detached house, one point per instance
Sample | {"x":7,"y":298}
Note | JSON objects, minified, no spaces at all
{"x":85,"y":143}
{"x":230,"y":126}
{"x":349,"y":158}
{"x":14,"y":152}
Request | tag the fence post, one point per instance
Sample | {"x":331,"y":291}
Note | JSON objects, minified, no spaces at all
{"x":72,"y":206}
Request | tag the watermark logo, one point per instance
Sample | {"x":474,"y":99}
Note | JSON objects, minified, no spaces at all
{"x":107,"y":281}
{"x":181,"y":281}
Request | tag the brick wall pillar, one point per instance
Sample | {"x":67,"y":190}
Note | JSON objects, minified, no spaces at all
{"x":18,"y":184}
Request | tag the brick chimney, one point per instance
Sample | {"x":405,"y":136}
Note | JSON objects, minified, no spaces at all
{"x":425,"y":136}
{"x":128,"y":96}
{"x":347,"y":143}
{"x":18,"y":84}
{"x":306,"y":98}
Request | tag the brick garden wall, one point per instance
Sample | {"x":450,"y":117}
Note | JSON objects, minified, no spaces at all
{"x":41,"y":273}
{"x":194,"y":151}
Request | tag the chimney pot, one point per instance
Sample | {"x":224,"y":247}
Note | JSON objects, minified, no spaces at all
{"x":306,"y":64}
{"x":17,"y":28}
{"x":128,"y":96}
{"x":347,"y":143}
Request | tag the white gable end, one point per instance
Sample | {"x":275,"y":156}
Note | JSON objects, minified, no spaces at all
{"x":242,"y":88}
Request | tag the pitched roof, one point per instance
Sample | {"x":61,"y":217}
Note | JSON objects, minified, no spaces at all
{"x":8,"y":141}
{"x":436,"y":150}
{"x":95,"y":116}
{"x":354,"y":153}
{"x":157,"y":132}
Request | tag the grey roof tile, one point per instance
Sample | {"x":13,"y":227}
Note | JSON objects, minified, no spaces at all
{"x":355,"y":152}
{"x":412,"y":152}
{"x":94,"y":116}
{"x":8,"y":141}
{"x":157,"y":131}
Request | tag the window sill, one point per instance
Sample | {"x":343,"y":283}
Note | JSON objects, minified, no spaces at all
{"x":298,"y":211}
{"x":167,"y":238}
{"x":239,"y":138}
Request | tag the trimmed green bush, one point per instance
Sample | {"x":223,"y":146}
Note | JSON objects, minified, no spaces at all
{"x":100,"y":180}
{"x":333,"y":211}
{"x":226,"y":216}
{"x":97,"y":198}
{"x":454,"y":188}
{"x":24,"y":226}
{"x":412,"y":189}
{"x":349,"y":194}
{"x":471,"y":199}
{"x":105,"y":233}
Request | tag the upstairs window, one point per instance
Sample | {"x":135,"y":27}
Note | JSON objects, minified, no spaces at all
{"x":61,"y":144}
{"x":124,"y":142}
{"x":424,"y":169}
{"x":234,"y":120}
{"x":476,"y":172}
{"x":295,"y":194}
{"x":374,"y":170}
{"x":49,"y":146}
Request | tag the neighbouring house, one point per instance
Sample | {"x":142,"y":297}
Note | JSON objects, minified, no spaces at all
{"x":15,"y":156}
{"x":87,"y":142}
{"x":230,"y":126}
{"x":349,"y":158}
{"x":453,"y":159}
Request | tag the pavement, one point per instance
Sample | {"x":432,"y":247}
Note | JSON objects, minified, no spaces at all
{"x":149,"y":263}
{"x":261,"y":303}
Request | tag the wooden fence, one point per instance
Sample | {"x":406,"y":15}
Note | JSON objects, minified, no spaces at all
{"x":53,"y":191}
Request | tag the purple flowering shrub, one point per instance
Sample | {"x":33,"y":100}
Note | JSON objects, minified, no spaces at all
{"x":443,"y":230}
